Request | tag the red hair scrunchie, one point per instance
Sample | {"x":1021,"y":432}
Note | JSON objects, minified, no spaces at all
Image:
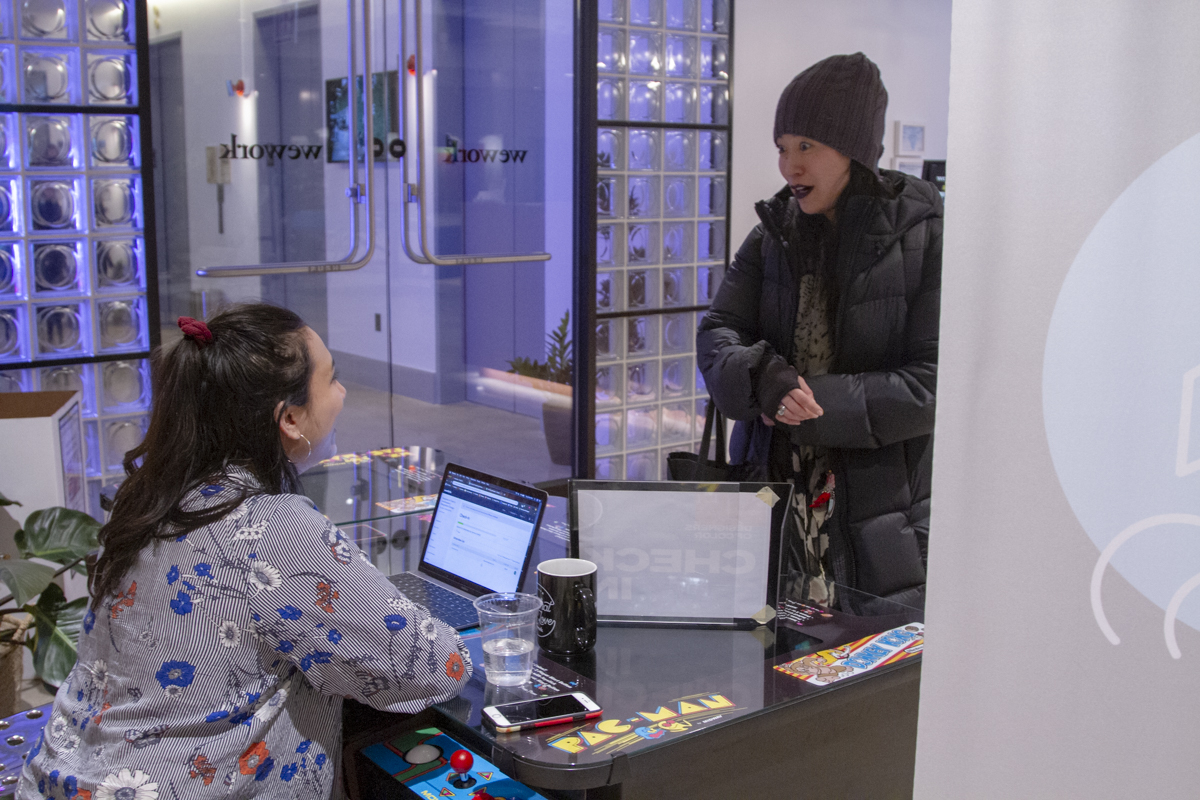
{"x":195,"y":330}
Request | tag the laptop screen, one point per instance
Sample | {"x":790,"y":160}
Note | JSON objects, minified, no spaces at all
{"x":483,"y":531}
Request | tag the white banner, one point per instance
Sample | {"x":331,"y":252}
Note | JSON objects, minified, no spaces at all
{"x":1062,"y":647}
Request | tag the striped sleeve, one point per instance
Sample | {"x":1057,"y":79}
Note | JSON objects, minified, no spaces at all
{"x":318,"y":602}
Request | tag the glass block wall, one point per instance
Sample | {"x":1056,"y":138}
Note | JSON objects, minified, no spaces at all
{"x":74,"y":306}
{"x":662,"y":154}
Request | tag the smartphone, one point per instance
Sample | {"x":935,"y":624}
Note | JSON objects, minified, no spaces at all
{"x":524,"y":715}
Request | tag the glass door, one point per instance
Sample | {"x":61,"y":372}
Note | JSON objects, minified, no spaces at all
{"x":434,"y":255}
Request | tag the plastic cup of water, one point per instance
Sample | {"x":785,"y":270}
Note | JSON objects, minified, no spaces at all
{"x":508,"y":629}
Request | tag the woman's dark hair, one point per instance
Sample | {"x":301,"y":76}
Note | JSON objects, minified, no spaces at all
{"x":216,"y":405}
{"x":818,"y":238}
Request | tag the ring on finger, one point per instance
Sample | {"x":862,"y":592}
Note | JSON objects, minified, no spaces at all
{"x":779,"y":412}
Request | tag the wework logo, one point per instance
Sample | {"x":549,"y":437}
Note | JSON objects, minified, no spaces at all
{"x":453,"y":154}
{"x":272,"y":152}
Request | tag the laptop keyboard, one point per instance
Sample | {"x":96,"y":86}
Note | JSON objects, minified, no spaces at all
{"x":456,"y":611}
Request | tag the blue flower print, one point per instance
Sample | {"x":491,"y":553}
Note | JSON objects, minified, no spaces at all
{"x":244,"y":717}
{"x":204,"y":570}
{"x":333,"y":636}
{"x":289,"y":772}
{"x":216,"y":715}
{"x":175,"y":673}
{"x":70,"y":786}
{"x":395,"y":622}
{"x":182,"y":604}
{"x":42,"y":786}
{"x":54,"y":779}
{"x":172,"y":574}
{"x":89,"y":621}
{"x":37,"y":747}
{"x":303,"y":748}
{"x":315,"y":657}
{"x":211,"y":489}
{"x":290,"y":612}
{"x":264,"y":769}
{"x":320,"y":761}
{"x":285,"y":647}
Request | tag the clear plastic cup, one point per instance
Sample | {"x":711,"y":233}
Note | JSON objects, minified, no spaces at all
{"x":508,"y":629}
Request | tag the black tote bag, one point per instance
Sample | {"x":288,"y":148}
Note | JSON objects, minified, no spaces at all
{"x":683,"y":466}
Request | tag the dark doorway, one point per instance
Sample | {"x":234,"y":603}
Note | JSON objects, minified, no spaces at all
{"x":291,"y":191}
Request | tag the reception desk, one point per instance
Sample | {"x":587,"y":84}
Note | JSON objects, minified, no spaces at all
{"x":688,"y":713}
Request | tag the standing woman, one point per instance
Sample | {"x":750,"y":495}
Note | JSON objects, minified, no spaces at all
{"x":823,"y":338}
{"x":228,"y":616}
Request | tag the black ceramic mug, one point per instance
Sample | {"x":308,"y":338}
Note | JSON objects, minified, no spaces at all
{"x":567,"y":622}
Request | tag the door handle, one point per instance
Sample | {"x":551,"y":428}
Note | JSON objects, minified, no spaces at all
{"x":356,"y":193}
{"x":417,"y":192}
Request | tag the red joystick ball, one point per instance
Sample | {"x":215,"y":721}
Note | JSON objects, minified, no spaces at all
{"x":461,"y":761}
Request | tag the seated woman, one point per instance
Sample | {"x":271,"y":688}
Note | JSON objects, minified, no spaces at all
{"x":228,"y":616}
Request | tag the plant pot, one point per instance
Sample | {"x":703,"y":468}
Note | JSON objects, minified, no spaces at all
{"x":12,"y":664}
{"x":556,"y":425}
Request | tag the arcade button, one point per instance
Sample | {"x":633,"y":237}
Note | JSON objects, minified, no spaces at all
{"x":423,"y":754}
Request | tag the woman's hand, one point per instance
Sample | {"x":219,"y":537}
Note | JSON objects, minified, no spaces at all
{"x":796,"y":406}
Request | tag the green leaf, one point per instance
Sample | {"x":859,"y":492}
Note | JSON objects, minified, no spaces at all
{"x":25,"y":579}
{"x":59,"y":535}
{"x":4,"y":501}
{"x":58,"y":624}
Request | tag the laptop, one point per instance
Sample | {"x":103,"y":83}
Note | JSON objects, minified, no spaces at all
{"x":480,"y":541}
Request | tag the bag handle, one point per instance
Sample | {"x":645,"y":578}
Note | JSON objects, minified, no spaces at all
{"x":713,"y":418}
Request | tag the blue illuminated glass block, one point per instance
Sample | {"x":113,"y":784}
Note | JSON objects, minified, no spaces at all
{"x":114,"y":142}
{"x":48,"y":75}
{"x":116,"y":203}
{"x":59,"y":268}
{"x":53,"y":141}
{"x":72,"y":378}
{"x":122,"y":324}
{"x":9,"y":139}
{"x":12,"y":282}
{"x":119,"y":265}
{"x":48,"y":20}
{"x":111,"y":78}
{"x":8,"y":73}
{"x":119,"y":437}
{"x":63,"y":329}
{"x":642,"y":466}
{"x":15,"y":380}
{"x":10,"y":205}
{"x":109,"y":21}
{"x":54,"y":204}
{"x":124,"y":386}
{"x":14,"y":334}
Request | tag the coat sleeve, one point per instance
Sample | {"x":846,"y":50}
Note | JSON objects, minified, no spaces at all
{"x":875,"y":409}
{"x":322,"y":605}
{"x":744,"y":374}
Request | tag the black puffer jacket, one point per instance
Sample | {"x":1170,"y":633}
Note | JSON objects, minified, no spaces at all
{"x":879,"y":396}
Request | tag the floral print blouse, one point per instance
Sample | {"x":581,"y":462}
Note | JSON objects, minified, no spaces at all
{"x":220,"y":667}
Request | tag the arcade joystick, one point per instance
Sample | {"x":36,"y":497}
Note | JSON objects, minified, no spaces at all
{"x":460,"y":764}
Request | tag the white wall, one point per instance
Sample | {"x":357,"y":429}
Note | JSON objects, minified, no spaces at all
{"x":773,"y":41}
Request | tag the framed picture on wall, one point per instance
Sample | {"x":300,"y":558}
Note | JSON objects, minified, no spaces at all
{"x":910,"y":139}
{"x":909,"y":165}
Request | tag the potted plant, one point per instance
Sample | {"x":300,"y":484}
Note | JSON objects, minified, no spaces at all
{"x":36,"y":614}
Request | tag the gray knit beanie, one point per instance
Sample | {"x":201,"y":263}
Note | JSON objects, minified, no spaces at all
{"x":840,"y":102}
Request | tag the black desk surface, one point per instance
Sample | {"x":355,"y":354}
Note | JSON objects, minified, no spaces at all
{"x":659,"y":685}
